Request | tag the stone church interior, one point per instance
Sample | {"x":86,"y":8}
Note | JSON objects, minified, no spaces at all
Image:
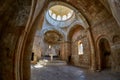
{"x":59,"y":39}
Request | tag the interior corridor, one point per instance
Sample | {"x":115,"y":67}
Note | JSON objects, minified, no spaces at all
{"x":59,"y":39}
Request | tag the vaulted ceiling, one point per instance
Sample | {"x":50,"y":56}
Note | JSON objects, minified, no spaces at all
{"x":92,"y":10}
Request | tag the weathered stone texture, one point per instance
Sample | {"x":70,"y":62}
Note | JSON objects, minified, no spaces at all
{"x":14,"y":16}
{"x":107,"y":29}
{"x":84,"y":59}
{"x":10,"y":31}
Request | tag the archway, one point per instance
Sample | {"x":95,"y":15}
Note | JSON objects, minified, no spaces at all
{"x":104,"y":54}
{"x":53,"y":39}
{"x":79,"y":46}
{"x":74,"y":37}
{"x":21,"y":53}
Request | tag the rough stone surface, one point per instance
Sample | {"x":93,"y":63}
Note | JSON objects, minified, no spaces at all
{"x":70,"y":73}
{"x":16,"y":38}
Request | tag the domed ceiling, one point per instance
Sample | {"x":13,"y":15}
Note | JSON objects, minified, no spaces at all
{"x":52,"y":37}
{"x":60,"y":12}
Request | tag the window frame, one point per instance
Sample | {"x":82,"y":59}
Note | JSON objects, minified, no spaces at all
{"x":80,"y":48}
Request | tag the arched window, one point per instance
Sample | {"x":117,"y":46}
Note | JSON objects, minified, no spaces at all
{"x":64,"y":17}
{"x":49,"y":46}
{"x":69,"y":15}
{"x":80,"y":48}
{"x":59,"y":17}
{"x":54,"y":16}
{"x":50,"y":12}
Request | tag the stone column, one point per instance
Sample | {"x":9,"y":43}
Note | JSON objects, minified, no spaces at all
{"x":65,"y":50}
{"x":92,"y":50}
{"x":62,"y":51}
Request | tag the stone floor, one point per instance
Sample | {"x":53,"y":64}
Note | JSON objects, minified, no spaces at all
{"x":66,"y":72}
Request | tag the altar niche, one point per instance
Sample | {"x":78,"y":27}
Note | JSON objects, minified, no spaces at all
{"x":51,"y":52}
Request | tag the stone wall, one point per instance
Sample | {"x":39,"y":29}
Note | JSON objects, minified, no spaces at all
{"x":37,"y":49}
{"x":13,"y":18}
{"x":14,"y":15}
{"x":108,"y":29}
{"x":82,"y":60}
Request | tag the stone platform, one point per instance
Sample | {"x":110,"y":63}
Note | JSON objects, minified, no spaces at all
{"x":49,"y":62}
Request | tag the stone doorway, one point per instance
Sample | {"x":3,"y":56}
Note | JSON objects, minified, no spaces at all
{"x":32,"y":57}
{"x":104,"y":54}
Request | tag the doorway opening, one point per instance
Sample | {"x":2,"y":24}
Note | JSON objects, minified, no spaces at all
{"x":32,"y":57}
{"x":105,"y":54}
{"x":51,"y":44}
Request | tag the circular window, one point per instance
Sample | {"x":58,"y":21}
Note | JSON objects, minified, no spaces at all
{"x":60,"y":13}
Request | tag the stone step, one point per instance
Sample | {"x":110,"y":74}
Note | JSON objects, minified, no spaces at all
{"x":54,"y":62}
